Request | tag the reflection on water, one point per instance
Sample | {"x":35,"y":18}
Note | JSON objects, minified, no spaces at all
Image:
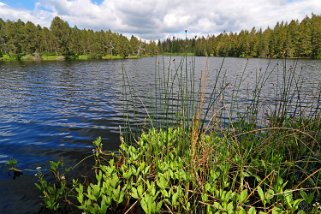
{"x":53,"y":110}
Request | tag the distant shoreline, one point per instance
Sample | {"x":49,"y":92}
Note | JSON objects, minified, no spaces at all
{"x":8,"y":58}
{"x":26,"y":58}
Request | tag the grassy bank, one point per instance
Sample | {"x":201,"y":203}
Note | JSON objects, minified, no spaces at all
{"x":60,"y":57}
{"x":185,"y":157}
{"x":31,"y":58}
{"x":52,"y":58}
{"x":120,"y":57}
{"x":177,"y":54}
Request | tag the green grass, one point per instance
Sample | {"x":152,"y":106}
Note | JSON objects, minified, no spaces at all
{"x":112,"y":57}
{"x":115,"y":57}
{"x":52,"y":58}
{"x":7,"y":57}
{"x":30,"y":57}
{"x":88,"y":57}
{"x":83,"y":57}
{"x":177,"y":54}
{"x":133,"y":57}
{"x":109,"y":56}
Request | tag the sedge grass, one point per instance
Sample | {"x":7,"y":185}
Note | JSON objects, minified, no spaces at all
{"x":279,"y":140}
{"x":184,"y":158}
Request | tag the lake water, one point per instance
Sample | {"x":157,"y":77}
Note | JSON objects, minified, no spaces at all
{"x":54,"y":110}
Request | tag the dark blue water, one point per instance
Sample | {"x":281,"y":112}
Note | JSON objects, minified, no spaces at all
{"x":54,"y":110}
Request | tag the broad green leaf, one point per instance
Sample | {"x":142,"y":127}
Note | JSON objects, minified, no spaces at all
{"x":241,"y":210}
{"x":144,"y":205}
{"x":80,"y":198}
{"x":134,"y":193}
{"x":159,"y":206}
{"x":230,"y":207}
{"x":277,"y":210}
{"x":204,"y":197}
{"x":261,"y":194}
{"x":288,"y":197}
{"x":99,"y":176}
{"x":209,"y":209}
{"x":243,"y":195}
{"x":296,"y":203}
{"x":140,"y":190}
{"x":252,"y":211}
{"x":174,"y":198}
{"x":307,"y":197}
{"x":103,"y":204}
{"x":150,"y":203}
{"x":269,"y":194}
{"x":161,"y":182}
{"x":207,"y":187}
{"x":217,"y":206}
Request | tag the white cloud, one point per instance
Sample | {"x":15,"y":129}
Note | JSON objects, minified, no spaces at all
{"x":37,"y":16}
{"x":153,"y":19}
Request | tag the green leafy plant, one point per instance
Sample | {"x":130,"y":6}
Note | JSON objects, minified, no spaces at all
{"x":11,"y":166}
{"x":54,"y":194}
{"x":186,"y":162}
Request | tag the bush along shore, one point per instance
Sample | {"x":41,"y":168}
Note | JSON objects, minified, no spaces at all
{"x":191,"y":161}
{"x":37,"y":57}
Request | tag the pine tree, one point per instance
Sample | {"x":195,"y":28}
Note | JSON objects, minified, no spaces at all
{"x":62,"y":34}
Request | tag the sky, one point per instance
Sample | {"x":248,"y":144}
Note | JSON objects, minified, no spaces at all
{"x":160,"y":19}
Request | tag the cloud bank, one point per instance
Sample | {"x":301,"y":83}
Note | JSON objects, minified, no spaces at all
{"x":158,"y":19}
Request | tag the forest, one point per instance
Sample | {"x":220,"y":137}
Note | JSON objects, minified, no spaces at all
{"x":19,"y":39}
{"x":295,"y":39}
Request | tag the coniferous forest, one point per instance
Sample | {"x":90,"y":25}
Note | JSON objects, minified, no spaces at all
{"x":18,"y":39}
{"x":294,"y":40}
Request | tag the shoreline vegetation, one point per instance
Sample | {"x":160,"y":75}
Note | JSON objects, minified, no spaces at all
{"x":7,"y":58}
{"x":35,"y":58}
{"x":197,"y":152}
{"x":27,"y":41}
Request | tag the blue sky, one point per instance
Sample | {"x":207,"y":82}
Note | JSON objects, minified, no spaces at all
{"x":30,"y":4}
{"x":159,"y":19}
{"x":27,"y":4}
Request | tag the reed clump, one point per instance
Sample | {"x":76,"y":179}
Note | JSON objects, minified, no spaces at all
{"x":199,"y":152}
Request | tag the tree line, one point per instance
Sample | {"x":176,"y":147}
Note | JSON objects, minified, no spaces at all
{"x":293,"y":39}
{"x":18,"y":39}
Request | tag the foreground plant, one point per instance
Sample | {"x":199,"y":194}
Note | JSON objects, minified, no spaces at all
{"x":196,"y":163}
{"x":54,"y":193}
{"x":156,"y":175}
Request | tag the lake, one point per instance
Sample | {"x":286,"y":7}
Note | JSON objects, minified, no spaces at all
{"x":54,"y":110}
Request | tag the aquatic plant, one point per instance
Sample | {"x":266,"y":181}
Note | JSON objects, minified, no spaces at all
{"x":155,"y":175}
{"x":11,"y":167}
{"x":199,"y":152}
